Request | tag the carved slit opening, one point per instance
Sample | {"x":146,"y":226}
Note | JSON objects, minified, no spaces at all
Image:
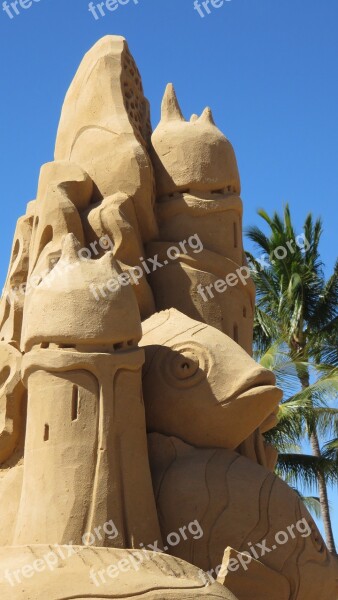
{"x":75,"y":403}
{"x":46,"y":433}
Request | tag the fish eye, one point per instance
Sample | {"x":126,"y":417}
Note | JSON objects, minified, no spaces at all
{"x":185,"y":365}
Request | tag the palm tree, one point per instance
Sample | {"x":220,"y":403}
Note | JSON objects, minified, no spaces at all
{"x":297,"y":408}
{"x":297,"y":309}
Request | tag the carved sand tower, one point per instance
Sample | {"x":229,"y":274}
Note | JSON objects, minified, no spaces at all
{"x":86,"y":448}
{"x":198,"y":189}
{"x":88,"y":437}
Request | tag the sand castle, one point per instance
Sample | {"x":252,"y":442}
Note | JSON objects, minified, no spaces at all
{"x":140,"y":408}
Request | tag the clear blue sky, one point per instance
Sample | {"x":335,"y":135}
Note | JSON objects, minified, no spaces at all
{"x":268,"y":69}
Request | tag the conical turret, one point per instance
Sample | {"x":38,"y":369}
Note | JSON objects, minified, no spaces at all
{"x":193,"y":155}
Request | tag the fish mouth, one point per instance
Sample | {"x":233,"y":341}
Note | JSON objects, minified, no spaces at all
{"x":256,"y":407}
{"x":268,"y":395}
{"x":270,"y":391}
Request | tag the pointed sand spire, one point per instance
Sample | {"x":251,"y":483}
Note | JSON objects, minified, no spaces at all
{"x":207,"y":116}
{"x":170,"y":107}
{"x":70,"y":248}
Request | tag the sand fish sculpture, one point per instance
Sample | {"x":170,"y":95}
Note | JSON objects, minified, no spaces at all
{"x":198,"y":383}
{"x":203,"y":396}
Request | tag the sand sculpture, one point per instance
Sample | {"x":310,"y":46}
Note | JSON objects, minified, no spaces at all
{"x":130,"y":415}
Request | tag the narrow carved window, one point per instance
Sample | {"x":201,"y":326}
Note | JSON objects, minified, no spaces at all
{"x":46,"y":433}
{"x":236,"y":333}
{"x":75,"y":403}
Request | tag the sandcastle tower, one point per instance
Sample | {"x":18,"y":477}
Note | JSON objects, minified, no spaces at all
{"x":85,"y":450}
{"x":198,"y":189}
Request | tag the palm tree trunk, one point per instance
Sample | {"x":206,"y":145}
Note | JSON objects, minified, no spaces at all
{"x":322,"y":487}
{"x":324,"y":500}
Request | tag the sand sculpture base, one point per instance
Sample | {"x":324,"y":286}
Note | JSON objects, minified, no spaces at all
{"x":39,"y":572}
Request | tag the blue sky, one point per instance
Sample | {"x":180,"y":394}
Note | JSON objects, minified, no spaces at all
{"x":268,"y":69}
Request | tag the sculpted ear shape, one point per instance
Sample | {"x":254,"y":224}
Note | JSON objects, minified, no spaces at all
{"x":207,"y":116}
{"x":170,"y":107}
{"x":70,"y":248}
{"x":71,"y":253}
